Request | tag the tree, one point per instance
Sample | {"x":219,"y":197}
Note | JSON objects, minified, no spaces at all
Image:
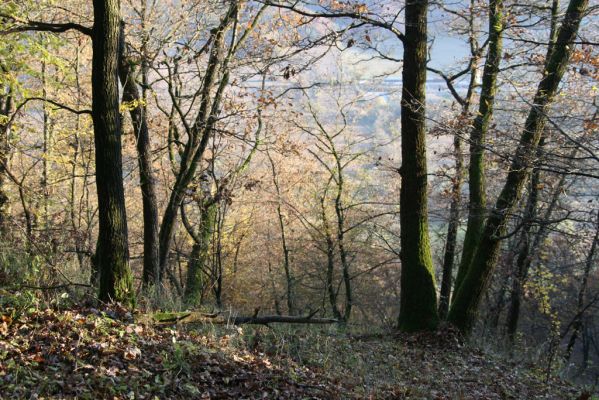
{"x":6,"y":109}
{"x":418,"y":306}
{"x":112,"y":252}
{"x":197,"y":271}
{"x":581,"y":307}
{"x":284,"y":245}
{"x":460,"y":124}
{"x":199,"y":133}
{"x":525,"y":250}
{"x":337,"y":162}
{"x":136,"y":103}
{"x":476,"y":168}
{"x":12,"y":61}
{"x":468,"y":296}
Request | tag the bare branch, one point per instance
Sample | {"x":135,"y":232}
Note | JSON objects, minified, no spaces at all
{"x":26,"y":25}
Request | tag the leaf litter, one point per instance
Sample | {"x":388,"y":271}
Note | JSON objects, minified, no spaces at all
{"x":87,"y":353}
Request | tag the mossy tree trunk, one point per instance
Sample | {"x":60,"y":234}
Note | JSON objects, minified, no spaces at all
{"x":476,"y":168}
{"x":200,"y":252}
{"x":450,"y":252}
{"x":112,"y":254}
{"x":468,"y":296}
{"x":418,"y":307}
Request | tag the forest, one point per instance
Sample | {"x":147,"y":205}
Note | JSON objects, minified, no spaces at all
{"x":321,"y":199}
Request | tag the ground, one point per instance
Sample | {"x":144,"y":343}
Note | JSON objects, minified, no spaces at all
{"x":90,"y":353}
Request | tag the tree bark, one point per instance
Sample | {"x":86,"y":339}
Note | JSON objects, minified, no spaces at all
{"x":465,"y":306}
{"x":217,"y":263}
{"x":112,"y":253}
{"x":418,"y":307}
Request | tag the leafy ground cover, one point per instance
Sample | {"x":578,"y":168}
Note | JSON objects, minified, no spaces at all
{"x":88,"y":353}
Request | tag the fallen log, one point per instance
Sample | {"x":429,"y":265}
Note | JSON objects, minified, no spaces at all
{"x":223,"y":318}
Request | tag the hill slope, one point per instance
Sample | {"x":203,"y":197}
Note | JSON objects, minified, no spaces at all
{"x":86,"y":353}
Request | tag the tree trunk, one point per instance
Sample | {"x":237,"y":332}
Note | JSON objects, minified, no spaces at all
{"x":6,"y":109}
{"x":135,"y":102}
{"x":112,"y":253}
{"x":200,"y":134}
{"x":476,"y":168}
{"x":46,"y":148}
{"x":452,"y":229}
{"x":523,"y":247}
{"x":217,"y":255}
{"x":189,"y":164}
{"x":275,"y":296}
{"x":339,"y":212}
{"x":418,"y":308}
{"x":284,"y":246}
{"x":578,"y":320}
{"x":465,"y":306}
{"x":74,"y":216}
{"x":496,"y":307}
{"x":523,"y":261}
{"x":199,"y":256}
{"x":229,"y":318}
{"x":330,"y":249}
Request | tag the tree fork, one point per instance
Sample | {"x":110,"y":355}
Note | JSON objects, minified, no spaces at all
{"x":476,"y":168}
{"x":469,"y":294}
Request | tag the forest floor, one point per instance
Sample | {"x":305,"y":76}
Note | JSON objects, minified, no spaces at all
{"x":88,"y":353}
